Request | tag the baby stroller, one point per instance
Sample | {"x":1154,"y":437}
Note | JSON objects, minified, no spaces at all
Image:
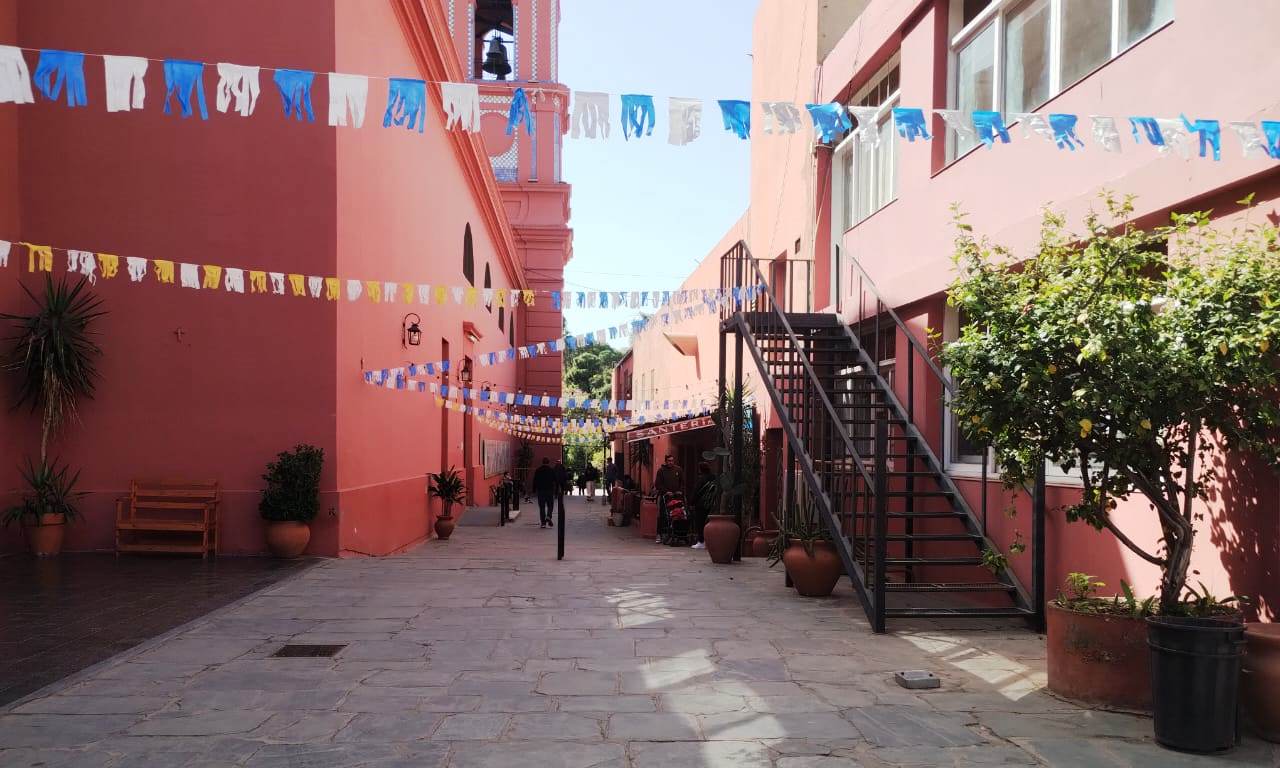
{"x":677,"y":529}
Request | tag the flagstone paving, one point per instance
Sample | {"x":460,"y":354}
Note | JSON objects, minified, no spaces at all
{"x":484,"y":651}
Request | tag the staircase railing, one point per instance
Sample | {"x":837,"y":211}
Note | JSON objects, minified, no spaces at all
{"x":871,"y":309}
{"x":847,"y":477}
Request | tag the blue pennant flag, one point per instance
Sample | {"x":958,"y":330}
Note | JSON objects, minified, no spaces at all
{"x":737,"y":117}
{"x":431,"y":369}
{"x":503,"y":398}
{"x":570,"y":342}
{"x":406,"y":103}
{"x":521,"y":398}
{"x":56,"y":68}
{"x":181,"y":80}
{"x":582,"y":299}
{"x":830,"y":120}
{"x":637,"y":115}
{"x":485,"y":395}
{"x":1210,"y":132}
{"x":570,"y":403}
{"x":1149,"y":127}
{"x":910,"y":123}
{"x":368,"y":376}
{"x":295,"y":92}
{"x":511,"y":353}
{"x":444,"y":366}
{"x":990,"y":125}
{"x":532,"y":349}
{"x":644,"y":298}
{"x":521,"y":110}
{"x":1064,"y":131}
{"x":1271,"y":129}
{"x":604,"y":300}
{"x":555,"y":299}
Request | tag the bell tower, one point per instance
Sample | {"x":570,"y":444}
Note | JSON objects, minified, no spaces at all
{"x":504,"y":45}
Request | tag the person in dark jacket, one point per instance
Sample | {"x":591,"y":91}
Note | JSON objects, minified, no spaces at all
{"x":547,"y":487}
{"x":565,"y":482}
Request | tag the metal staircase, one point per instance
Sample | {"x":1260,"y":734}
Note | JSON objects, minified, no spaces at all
{"x":908,"y":538}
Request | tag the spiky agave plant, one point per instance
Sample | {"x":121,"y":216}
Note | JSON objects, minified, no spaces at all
{"x":54,"y":353}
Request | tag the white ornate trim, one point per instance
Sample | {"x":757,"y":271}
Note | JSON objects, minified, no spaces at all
{"x":555,"y":41}
{"x":533,"y":47}
{"x":451,"y":10}
{"x":471,"y":41}
{"x":515,"y":44}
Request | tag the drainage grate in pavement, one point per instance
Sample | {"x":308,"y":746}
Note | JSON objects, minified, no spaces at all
{"x":307,"y":651}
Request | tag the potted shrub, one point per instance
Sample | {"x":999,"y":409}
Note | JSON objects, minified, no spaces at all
{"x":1123,"y":355}
{"x":447,"y":486}
{"x":1260,"y":679}
{"x":721,"y":531}
{"x":54,"y":353}
{"x":291,"y":499}
{"x":47,"y":505}
{"x":804,"y":548}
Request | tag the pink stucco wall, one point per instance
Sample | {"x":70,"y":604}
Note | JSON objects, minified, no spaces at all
{"x":906,"y":246}
{"x":204,"y":384}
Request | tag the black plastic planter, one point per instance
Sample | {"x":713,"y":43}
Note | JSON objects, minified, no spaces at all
{"x":1195,"y":681}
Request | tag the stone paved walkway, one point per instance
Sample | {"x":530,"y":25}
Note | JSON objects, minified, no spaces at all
{"x":485,"y":651}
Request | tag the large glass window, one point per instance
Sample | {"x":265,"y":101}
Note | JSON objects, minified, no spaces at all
{"x":1015,"y":55}
{"x":867,"y":159}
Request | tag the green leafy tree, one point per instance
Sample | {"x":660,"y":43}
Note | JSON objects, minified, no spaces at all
{"x":1112,"y":352}
{"x":589,"y":370}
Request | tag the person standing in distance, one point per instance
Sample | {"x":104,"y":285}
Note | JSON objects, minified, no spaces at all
{"x":546,"y":486}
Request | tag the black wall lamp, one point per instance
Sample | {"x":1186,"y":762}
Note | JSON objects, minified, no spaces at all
{"x":411,"y":332}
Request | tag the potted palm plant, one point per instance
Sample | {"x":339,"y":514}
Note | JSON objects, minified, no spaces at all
{"x":55,"y":355}
{"x":46,"y":507}
{"x":804,"y":548}
{"x":291,"y":499}
{"x":447,"y":486}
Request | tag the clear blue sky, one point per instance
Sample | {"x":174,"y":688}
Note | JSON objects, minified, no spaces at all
{"x":644,"y":211}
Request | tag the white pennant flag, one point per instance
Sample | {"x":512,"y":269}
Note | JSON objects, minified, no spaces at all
{"x":315,"y":285}
{"x":354,"y":289}
{"x":1252,"y":142}
{"x":457,"y":295}
{"x":424,"y":293}
{"x":390,"y":291}
{"x":233,"y":279}
{"x":685,"y":120}
{"x":865,"y":125}
{"x":960,"y":122}
{"x":5,"y":247}
{"x":126,"y":86}
{"x":189,"y":275}
{"x":277,"y":282}
{"x":237,"y":82}
{"x":347,"y":93}
{"x":1105,"y":132}
{"x":487,"y":293}
{"x":1033,"y":123}
{"x":1176,"y":137}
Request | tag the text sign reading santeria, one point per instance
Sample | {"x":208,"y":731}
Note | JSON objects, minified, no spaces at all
{"x":672,"y":428}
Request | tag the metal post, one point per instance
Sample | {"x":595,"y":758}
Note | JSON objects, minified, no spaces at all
{"x":737,"y":436}
{"x":1037,"y":549}
{"x":560,"y":529}
{"x":504,"y":510}
{"x":882,"y":519}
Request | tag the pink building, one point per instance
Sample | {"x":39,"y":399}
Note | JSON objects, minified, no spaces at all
{"x":870,"y":222}
{"x":211,"y":385}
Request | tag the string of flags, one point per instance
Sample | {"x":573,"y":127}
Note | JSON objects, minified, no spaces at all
{"x":668,"y":316}
{"x":550,"y":424}
{"x":238,"y":90}
{"x":95,"y":265}
{"x":398,"y":379}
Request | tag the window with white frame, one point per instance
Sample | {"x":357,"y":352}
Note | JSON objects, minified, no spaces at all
{"x":867,"y":163}
{"x":1015,"y":55}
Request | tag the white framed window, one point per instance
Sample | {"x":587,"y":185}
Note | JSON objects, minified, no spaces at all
{"x":1015,"y":55}
{"x":866,"y":176}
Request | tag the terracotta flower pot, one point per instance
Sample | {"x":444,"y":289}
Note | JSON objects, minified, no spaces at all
{"x":813,"y":575}
{"x":45,"y":537}
{"x":762,"y":542}
{"x":1260,"y":679}
{"x":721,"y":536}
{"x":1099,"y":658}
{"x":444,"y":526}
{"x":287,"y":538}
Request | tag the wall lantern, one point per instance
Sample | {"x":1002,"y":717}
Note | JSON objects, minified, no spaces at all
{"x":411,"y":335}
{"x":465,"y":374}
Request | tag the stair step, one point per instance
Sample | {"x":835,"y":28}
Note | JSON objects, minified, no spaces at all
{"x":926,"y":515}
{"x":958,"y":613}
{"x":904,"y":494}
{"x":949,"y":586}
{"x":926,"y":537}
{"x":933,"y":561}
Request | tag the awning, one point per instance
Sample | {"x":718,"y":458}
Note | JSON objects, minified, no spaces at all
{"x":671,"y":428}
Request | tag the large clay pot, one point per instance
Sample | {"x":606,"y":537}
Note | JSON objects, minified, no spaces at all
{"x":287,"y":538}
{"x":761,"y":542}
{"x":45,"y":536}
{"x":444,"y":526}
{"x":1099,"y":658}
{"x":1260,"y":679}
{"x":721,"y":537}
{"x":813,"y":575}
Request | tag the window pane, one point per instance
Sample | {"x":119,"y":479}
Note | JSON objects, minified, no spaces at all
{"x":1086,"y":37}
{"x":850,"y":194}
{"x":975,"y":78}
{"x":1139,"y":18}
{"x":1026,"y":62}
{"x":887,"y":169}
{"x":972,"y":8}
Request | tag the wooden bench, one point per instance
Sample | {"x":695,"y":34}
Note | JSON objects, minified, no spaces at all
{"x":168,"y":516}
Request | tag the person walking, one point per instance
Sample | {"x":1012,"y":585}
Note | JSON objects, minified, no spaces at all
{"x":546,"y":485}
{"x":592,"y":475}
{"x":610,"y":475}
{"x":668,"y":480}
{"x":563,"y":485}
